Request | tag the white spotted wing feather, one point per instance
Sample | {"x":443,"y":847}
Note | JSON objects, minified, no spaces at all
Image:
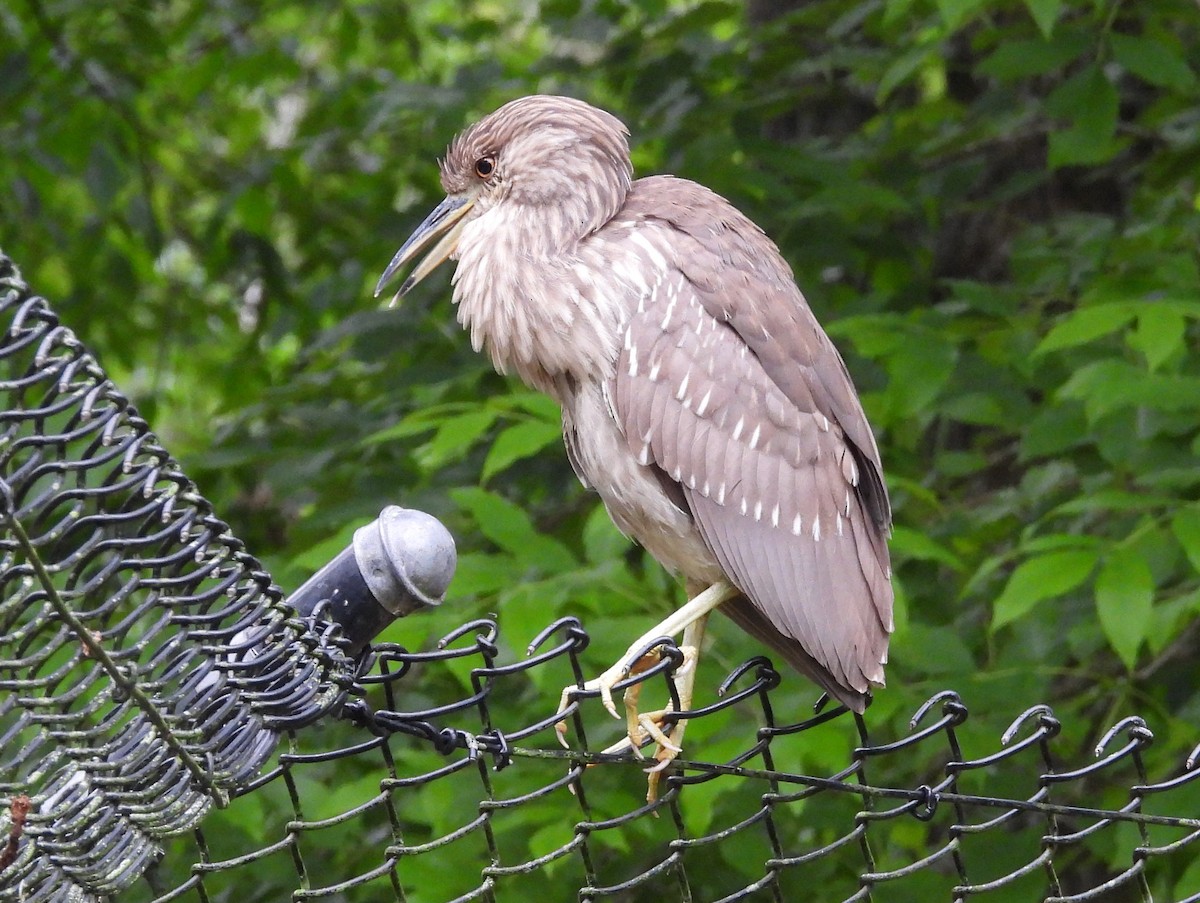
{"x":727,"y":384}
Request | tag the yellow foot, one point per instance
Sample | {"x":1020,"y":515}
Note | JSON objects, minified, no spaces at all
{"x":641,"y":728}
{"x":653,"y":726}
{"x":644,"y":727}
{"x":604,"y":684}
{"x":690,"y":619}
{"x":665,"y":756}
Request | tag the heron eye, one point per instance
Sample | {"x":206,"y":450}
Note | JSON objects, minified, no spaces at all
{"x":485,"y":166}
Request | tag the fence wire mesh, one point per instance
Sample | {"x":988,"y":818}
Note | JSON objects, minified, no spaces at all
{"x":170,"y":730}
{"x":147,"y":664}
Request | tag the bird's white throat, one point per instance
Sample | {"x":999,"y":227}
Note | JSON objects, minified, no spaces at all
{"x":535,"y":307}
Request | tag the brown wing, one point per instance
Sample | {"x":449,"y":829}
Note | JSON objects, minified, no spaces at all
{"x":728,"y":384}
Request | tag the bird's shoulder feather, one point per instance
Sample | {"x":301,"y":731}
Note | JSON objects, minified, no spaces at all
{"x":740,"y":278}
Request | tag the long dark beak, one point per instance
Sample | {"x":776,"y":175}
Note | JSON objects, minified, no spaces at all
{"x":447,"y":220}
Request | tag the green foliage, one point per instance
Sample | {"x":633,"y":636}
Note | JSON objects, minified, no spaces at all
{"x":992,"y":204}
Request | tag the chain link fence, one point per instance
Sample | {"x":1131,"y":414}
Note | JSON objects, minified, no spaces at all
{"x":170,"y":729}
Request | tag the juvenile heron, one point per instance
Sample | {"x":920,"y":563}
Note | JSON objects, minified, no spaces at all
{"x":700,"y":397}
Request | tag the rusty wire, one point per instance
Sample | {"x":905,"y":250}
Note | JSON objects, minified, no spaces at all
{"x":150,"y":674}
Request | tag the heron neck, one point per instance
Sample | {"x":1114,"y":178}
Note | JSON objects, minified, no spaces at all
{"x":534,"y":302}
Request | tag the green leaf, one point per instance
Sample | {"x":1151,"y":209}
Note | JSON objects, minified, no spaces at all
{"x":479,"y":574}
{"x":1151,"y":60}
{"x":454,"y":438}
{"x":901,"y":70}
{"x":541,"y":406}
{"x":517,"y":442}
{"x":1110,"y":500}
{"x":1124,"y":598}
{"x":1159,"y":335}
{"x":1089,"y":100}
{"x":1188,"y":881}
{"x":914,"y":544}
{"x":1055,"y":542}
{"x":1186,"y":527}
{"x":1043,"y":577}
{"x":1084,"y":144}
{"x":1109,"y":385}
{"x":873,"y":335}
{"x":955,"y":12}
{"x":918,"y":370}
{"x":1014,"y":60}
{"x":1052,"y":431}
{"x":1085,"y":324}
{"x":1045,"y":14}
{"x":416,"y":423}
{"x":551,"y":838}
{"x":510,"y":528}
{"x":934,"y":650}
{"x":895,"y":10}
{"x":1169,"y":618}
{"x":976,"y":407}
{"x":317,"y":556}
{"x":602,"y":541}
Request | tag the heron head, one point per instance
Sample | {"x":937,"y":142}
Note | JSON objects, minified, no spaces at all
{"x":560,"y":158}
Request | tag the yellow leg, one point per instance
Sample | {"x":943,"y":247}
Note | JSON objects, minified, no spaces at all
{"x":649,"y":724}
{"x":685,"y":684}
{"x":691,"y":619}
{"x":711,"y":598}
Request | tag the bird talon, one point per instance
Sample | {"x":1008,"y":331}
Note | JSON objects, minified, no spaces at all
{"x":625,"y":744}
{"x":659,"y":768}
{"x":648,"y":724}
{"x":606,"y":698}
{"x":652,"y":788}
{"x":665,"y":756}
{"x":560,"y":731}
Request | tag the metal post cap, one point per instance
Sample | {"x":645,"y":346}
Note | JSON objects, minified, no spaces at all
{"x":407,"y":559}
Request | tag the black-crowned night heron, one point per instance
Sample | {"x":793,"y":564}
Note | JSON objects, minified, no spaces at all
{"x":700,"y":397}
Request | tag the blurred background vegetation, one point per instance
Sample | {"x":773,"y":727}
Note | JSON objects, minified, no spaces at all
{"x":993,"y":205}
